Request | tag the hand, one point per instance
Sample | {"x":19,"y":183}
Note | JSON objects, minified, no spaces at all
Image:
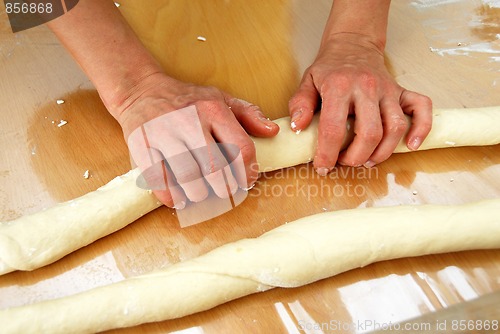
{"x":349,"y":77}
{"x":187,"y":138}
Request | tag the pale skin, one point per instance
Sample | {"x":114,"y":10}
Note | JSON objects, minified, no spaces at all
{"x":348,"y":77}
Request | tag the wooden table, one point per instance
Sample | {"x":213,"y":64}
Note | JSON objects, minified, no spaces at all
{"x":255,"y":52}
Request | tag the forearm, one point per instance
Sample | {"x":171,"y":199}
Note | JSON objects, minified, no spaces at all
{"x":106,"y":48}
{"x":367,"y":18}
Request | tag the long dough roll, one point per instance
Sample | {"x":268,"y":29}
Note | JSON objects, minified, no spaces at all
{"x":36,"y":240}
{"x":33,"y":241}
{"x":450,"y":128}
{"x":298,"y":253}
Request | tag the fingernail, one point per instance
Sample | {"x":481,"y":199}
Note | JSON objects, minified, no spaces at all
{"x":415,"y":143}
{"x":250,"y":187}
{"x":322,"y":171}
{"x":181,"y":205}
{"x":295,"y":118}
{"x":369,"y":164}
{"x":348,"y":164}
{"x":266,"y":121}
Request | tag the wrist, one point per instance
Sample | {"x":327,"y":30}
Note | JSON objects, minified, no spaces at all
{"x":353,"y":40}
{"x":365,"y":22}
{"x":121,"y":92}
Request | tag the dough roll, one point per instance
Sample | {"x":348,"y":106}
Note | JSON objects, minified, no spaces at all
{"x":294,"y":254}
{"x":36,"y":240}
{"x":33,"y":241}
{"x":450,"y":128}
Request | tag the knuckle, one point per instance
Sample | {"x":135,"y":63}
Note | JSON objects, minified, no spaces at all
{"x":187,"y":174}
{"x":372,"y":135}
{"x":212,"y":165}
{"x":247,"y":149}
{"x":295,"y":100}
{"x":211,"y":92}
{"x":341,"y":83}
{"x":368,"y":81}
{"x":333,"y":131}
{"x":208,"y":106}
{"x":426,"y":123}
{"x":397,"y":125}
{"x":252,"y":109}
{"x":425,"y":101}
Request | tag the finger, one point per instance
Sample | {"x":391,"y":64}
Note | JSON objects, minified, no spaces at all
{"x":229,"y":132}
{"x":251,"y":118}
{"x":151,"y":163}
{"x":420,"y":108}
{"x":303,"y":104}
{"x":368,"y":130}
{"x":331,"y":132}
{"x":185,"y":169}
{"x":394,"y":127}
{"x":173,"y":196}
{"x":213,"y":166}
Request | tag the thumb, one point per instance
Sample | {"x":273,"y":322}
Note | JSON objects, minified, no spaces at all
{"x":252,"y":119}
{"x":303,"y":104}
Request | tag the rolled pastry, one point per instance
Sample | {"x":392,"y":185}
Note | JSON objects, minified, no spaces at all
{"x":33,"y":241}
{"x":294,"y":254}
{"x":450,"y":128}
{"x":36,"y":240}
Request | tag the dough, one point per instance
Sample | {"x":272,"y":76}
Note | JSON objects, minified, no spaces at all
{"x":298,"y":253}
{"x":36,"y":240}
{"x":450,"y":128}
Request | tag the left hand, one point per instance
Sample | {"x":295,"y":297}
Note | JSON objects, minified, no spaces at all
{"x":350,"y":77}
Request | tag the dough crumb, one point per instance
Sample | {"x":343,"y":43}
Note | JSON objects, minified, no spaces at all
{"x":415,"y":192}
{"x":62,"y":123}
{"x":86,"y":174}
{"x":202,"y":39}
{"x":451,"y":143}
{"x":60,"y":101}
{"x":452,"y":179}
{"x":117,"y":4}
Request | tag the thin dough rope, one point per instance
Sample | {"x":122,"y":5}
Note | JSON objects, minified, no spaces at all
{"x":298,"y":253}
{"x":33,"y":241}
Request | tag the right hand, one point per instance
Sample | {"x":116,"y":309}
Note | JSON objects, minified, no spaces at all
{"x":176,"y":136}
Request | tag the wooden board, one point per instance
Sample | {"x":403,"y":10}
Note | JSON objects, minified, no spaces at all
{"x":256,"y":52}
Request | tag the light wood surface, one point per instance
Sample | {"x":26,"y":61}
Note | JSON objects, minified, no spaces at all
{"x":256,"y":52}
